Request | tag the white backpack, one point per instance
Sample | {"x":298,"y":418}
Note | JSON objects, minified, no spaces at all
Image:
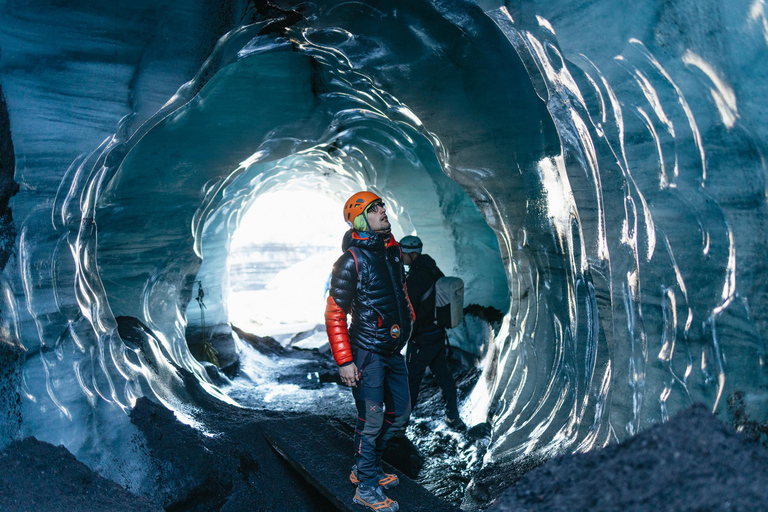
{"x":449,"y":301}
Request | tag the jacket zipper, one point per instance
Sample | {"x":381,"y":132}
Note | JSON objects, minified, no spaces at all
{"x":394,"y":288}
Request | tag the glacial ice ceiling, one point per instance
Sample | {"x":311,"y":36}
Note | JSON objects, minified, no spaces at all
{"x":595,"y":171}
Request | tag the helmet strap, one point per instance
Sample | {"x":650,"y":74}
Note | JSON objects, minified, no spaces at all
{"x":365,"y":218}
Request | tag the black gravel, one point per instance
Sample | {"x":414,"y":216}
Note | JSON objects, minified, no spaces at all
{"x":37,"y":476}
{"x":694,"y":462}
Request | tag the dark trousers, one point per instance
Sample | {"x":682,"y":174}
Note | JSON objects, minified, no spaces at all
{"x":383,"y":408}
{"x":430,"y":351}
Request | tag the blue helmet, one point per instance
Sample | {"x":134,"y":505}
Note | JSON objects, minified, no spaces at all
{"x":411,"y":243}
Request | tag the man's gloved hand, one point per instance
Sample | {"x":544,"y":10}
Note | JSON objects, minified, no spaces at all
{"x":349,"y":375}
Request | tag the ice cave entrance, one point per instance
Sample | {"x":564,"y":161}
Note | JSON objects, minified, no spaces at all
{"x":280,"y":259}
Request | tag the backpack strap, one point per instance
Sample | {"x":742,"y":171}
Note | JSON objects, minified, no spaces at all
{"x":427,"y":293}
{"x":431,"y":289}
{"x":357,"y":269}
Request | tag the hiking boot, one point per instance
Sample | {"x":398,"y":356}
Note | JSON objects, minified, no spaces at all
{"x":374,"y":499}
{"x":386,"y":480}
{"x":456,"y":424}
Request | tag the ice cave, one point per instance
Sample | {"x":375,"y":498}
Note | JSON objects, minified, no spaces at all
{"x":171,"y":182}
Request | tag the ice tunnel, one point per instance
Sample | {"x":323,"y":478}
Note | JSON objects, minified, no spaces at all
{"x":596,"y":173}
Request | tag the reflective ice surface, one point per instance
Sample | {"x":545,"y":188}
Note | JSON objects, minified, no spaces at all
{"x":597,"y":173}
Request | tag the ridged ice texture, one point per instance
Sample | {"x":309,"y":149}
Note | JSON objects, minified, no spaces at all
{"x":643,"y":210}
{"x":624,"y":182}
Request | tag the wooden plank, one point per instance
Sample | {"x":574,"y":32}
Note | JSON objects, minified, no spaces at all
{"x":280,"y":447}
{"x":322,"y":455}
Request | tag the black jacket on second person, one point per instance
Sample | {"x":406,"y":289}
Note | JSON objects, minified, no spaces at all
{"x":421,"y":278}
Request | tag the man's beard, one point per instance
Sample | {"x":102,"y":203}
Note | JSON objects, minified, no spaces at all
{"x":385,"y":233}
{"x":388,"y":229}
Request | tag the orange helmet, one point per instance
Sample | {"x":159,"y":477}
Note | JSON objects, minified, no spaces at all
{"x":357,"y":204}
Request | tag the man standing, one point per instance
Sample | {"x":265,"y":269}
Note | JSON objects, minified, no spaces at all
{"x":368,"y":282}
{"x":427,"y":345}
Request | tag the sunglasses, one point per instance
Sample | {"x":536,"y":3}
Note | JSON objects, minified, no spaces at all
{"x":374,"y":207}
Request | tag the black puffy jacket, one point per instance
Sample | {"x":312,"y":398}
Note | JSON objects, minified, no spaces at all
{"x":368,"y":282}
{"x":421,"y":280}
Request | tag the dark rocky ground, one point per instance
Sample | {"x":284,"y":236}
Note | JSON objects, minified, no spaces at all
{"x":694,"y":462}
{"x":234,"y":471}
{"x":37,"y":476}
{"x":691,"y":463}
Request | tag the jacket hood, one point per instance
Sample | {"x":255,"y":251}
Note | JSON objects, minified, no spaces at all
{"x":374,"y":242}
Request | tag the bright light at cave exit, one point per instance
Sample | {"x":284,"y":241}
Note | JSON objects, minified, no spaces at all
{"x":280,"y":262}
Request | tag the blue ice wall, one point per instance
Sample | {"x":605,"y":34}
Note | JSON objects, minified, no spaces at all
{"x":613,"y":155}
